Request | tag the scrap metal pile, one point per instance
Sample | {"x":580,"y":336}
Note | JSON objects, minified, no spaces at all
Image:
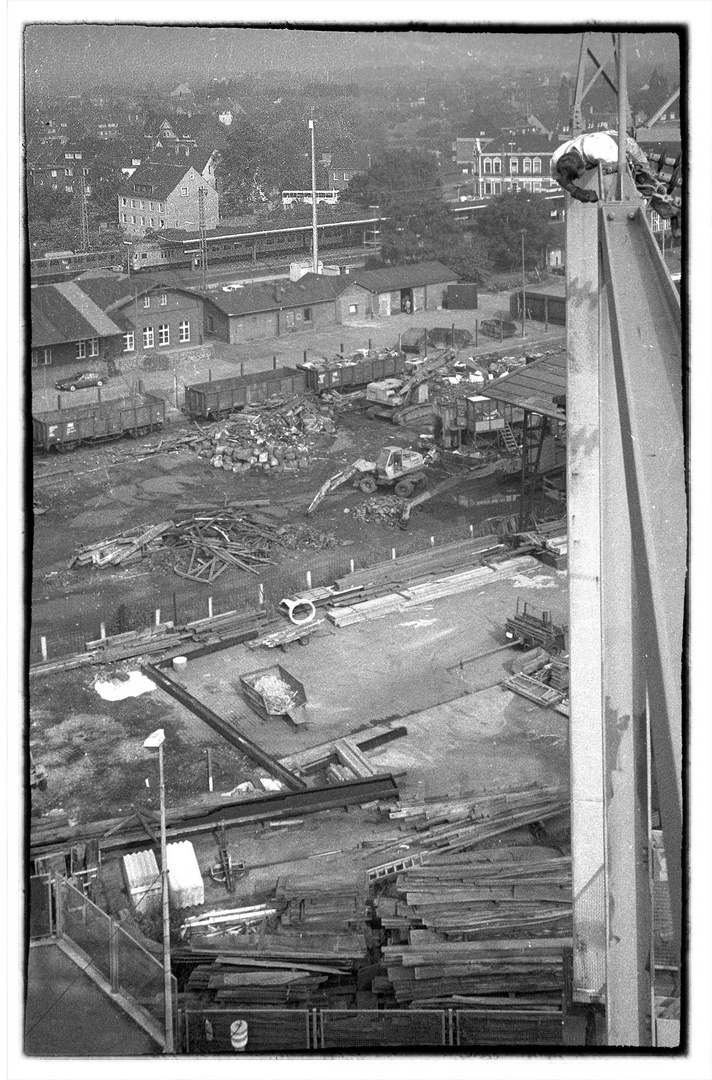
{"x":269,"y":439}
{"x":202,"y":546}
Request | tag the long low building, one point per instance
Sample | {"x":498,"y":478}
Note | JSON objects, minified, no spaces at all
{"x":544,"y":303}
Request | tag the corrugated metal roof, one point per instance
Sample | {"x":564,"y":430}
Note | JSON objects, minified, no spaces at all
{"x":533,"y":387}
{"x":411,"y":276}
{"x":58,"y":317}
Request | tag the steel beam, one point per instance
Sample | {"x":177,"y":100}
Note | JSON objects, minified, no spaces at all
{"x":585,"y":652}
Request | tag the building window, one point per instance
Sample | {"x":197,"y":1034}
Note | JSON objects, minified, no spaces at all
{"x":140,"y":204}
{"x":488,"y":165}
{"x":54,"y":172}
{"x":163,"y":224}
{"x":147,"y":301}
{"x":69,"y":188}
{"x":69,"y":172}
{"x":353,"y":309}
{"x":307,"y":314}
{"x":148,"y":337}
{"x":143,"y":220}
{"x":133,"y":204}
{"x":150,"y":206}
{"x":164,"y":299}
{"x":527,"y":165}
{"x":488,"y":187}
{"x":144,"y":255}
{"x":123,"y":217}
{"x":537,"y":165}
{"x":497,"y":165}
{"x":129,"y":342}
{"x":133,"y":219}
{"x":123,"y":202}
{"x":94,"y":347}
{"x":81,"y":350}
{"x":152,"y":222}
{"x":41,"y":357}
{"x":514,"y":165}
{"x":164,"y":334}
{"x":160,"y":207}
{"x":184,"y":331}
{"x":184,"y":191}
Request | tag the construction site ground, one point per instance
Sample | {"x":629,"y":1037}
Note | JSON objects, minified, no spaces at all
{"x":465,"y":733}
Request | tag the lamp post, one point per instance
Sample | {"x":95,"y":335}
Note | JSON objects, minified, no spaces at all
{"x":155,"y":741}
{"x":524,"y":285}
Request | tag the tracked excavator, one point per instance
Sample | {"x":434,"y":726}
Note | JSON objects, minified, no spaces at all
{"x":403,"y":400}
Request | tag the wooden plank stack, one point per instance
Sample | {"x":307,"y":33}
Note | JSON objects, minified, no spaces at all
{"x":320,"y":757}
{"x":420,"y":565}
{"x":427,"y":591}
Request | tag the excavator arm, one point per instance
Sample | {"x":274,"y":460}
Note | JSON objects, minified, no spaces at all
{"x":360,"y":466}
{"x":445,"y":485}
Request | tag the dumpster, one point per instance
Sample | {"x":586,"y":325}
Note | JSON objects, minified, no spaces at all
{"x":273,"y":692}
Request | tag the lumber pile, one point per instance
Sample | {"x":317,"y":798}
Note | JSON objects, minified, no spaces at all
{"x":306,"y":956}
{"x":435,"y":828}
{"x":429,"y":970}
{"x":203,"y":544}
{"x":426,"y":592}
{"x":420,"y":565}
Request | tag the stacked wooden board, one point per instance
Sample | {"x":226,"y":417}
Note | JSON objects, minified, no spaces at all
{"x":460,"y":824}
{"x":419,"y":565}
{"x":320,"y":757}
{"x":425,"y":592}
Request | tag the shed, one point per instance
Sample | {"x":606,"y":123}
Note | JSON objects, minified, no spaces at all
{"x":273,"y":309}
{"x":409,"y":288}
{"x":545,"y":303}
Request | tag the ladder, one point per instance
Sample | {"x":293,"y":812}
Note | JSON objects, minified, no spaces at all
{"x":509,"y":439}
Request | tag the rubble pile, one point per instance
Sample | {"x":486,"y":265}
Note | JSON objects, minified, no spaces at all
{"x":276,"y":439}
{"x":385,"y":508}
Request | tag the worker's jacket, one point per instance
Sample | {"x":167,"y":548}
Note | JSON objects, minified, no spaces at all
{"x":600,"y":148}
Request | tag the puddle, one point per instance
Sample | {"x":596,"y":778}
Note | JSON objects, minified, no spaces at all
{"x":118,"y":689}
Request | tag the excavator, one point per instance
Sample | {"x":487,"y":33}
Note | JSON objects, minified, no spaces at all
{"x":394,"y":467}
{"x":402,"y":400}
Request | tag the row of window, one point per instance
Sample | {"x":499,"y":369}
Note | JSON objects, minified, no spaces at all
{"x":163,"y":300}
{"x":158,"y":206}
{"x":152,"y":222}
{"x":148,"y":336}
{"x":494,"y":165}
{"x":494,"y":187}
{"x":69,"y":172}
{"x":87,"y":348}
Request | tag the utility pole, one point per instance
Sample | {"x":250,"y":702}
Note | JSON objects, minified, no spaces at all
{"x":83,"y":214}
{"x":315,"y":250}
{"x":203,"y":236}
{"x":524,"y":285}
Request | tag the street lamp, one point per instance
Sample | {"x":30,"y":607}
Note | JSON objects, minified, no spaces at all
{"x":155,"y":741}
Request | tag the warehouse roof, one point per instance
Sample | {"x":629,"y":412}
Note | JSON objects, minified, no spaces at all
{"x":310,"y":289}
{"x":534,"y":387}
{"x":555,"y":289}
{"x":404,"y":277}
{"x":63,"y":313}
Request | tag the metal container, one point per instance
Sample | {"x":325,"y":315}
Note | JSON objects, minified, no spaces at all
{"x":254,"y":685}
{"x":210,"y":400}
{"x":99,"y":421}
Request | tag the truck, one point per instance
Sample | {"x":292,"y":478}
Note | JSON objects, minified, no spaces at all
{"x":63,"y":430}
{"x":212,"y":400}
{"x":351,"y":373}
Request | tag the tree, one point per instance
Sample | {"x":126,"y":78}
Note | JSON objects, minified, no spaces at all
{"x":501,"y":225}
{"x":406,"y":188}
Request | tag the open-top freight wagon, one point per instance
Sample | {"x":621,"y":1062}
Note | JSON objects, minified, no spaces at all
{"x":351,"y":373}
{"x":211,"y":400}
{"x":99,"y":421}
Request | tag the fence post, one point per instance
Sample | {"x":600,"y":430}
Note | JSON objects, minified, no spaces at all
{"x":158,"y":616}
{"x":476,"y":325}
{"x":432,"y":541}
{"x":210,"y":374}
{"x":369,"y":345}
{"x":352,"y":566}
{"x":393,"y":553}
{"x":261,"y":594}
{"x":309,"y":579}
{"x":56,"y":883}
{"x":209,"y":756}
{"x":43,"y":646}
{"x":210,"y":607}
{"x":242,"y":367}
{"x":472,"y":530}
{"x":102,"y":631}
{"x":175,"y":609}
{"x":305,"y":356}
{"x":175,"y":391}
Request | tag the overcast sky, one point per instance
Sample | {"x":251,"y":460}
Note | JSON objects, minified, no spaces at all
{"x":78,"y":56}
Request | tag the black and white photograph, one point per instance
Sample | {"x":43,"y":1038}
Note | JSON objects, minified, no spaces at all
{"x":356,"y":495}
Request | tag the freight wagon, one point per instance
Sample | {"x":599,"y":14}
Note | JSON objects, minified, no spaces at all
{"x":211,"y":400}
{"x":352,"y":374}
{"x":100,"y":421}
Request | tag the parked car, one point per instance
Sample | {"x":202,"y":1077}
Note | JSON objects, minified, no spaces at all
{"x":80,"y":380}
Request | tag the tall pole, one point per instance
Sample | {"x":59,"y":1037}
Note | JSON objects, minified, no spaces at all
{"x":203,"y":236}
{"x":315,"y":251}
{"x":169,"y":1048}
{"x":524,"y":285}
{"x":622,"y":112}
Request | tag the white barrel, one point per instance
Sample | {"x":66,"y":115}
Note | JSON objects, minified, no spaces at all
{"x":238,"y":1034}
{"x":180,"y":662}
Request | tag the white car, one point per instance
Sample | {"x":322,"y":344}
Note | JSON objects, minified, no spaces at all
{"x":231,"y":288}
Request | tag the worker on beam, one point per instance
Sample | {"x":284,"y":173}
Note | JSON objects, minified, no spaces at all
{"x":573,"y":158}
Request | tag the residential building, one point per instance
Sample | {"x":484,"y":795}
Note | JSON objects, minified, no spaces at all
{"x":153,"y":315}
{"x":343,"y":166}
{"x":510,"y":163}
{"x":69,"y":330}
{"x":165,"y":197}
